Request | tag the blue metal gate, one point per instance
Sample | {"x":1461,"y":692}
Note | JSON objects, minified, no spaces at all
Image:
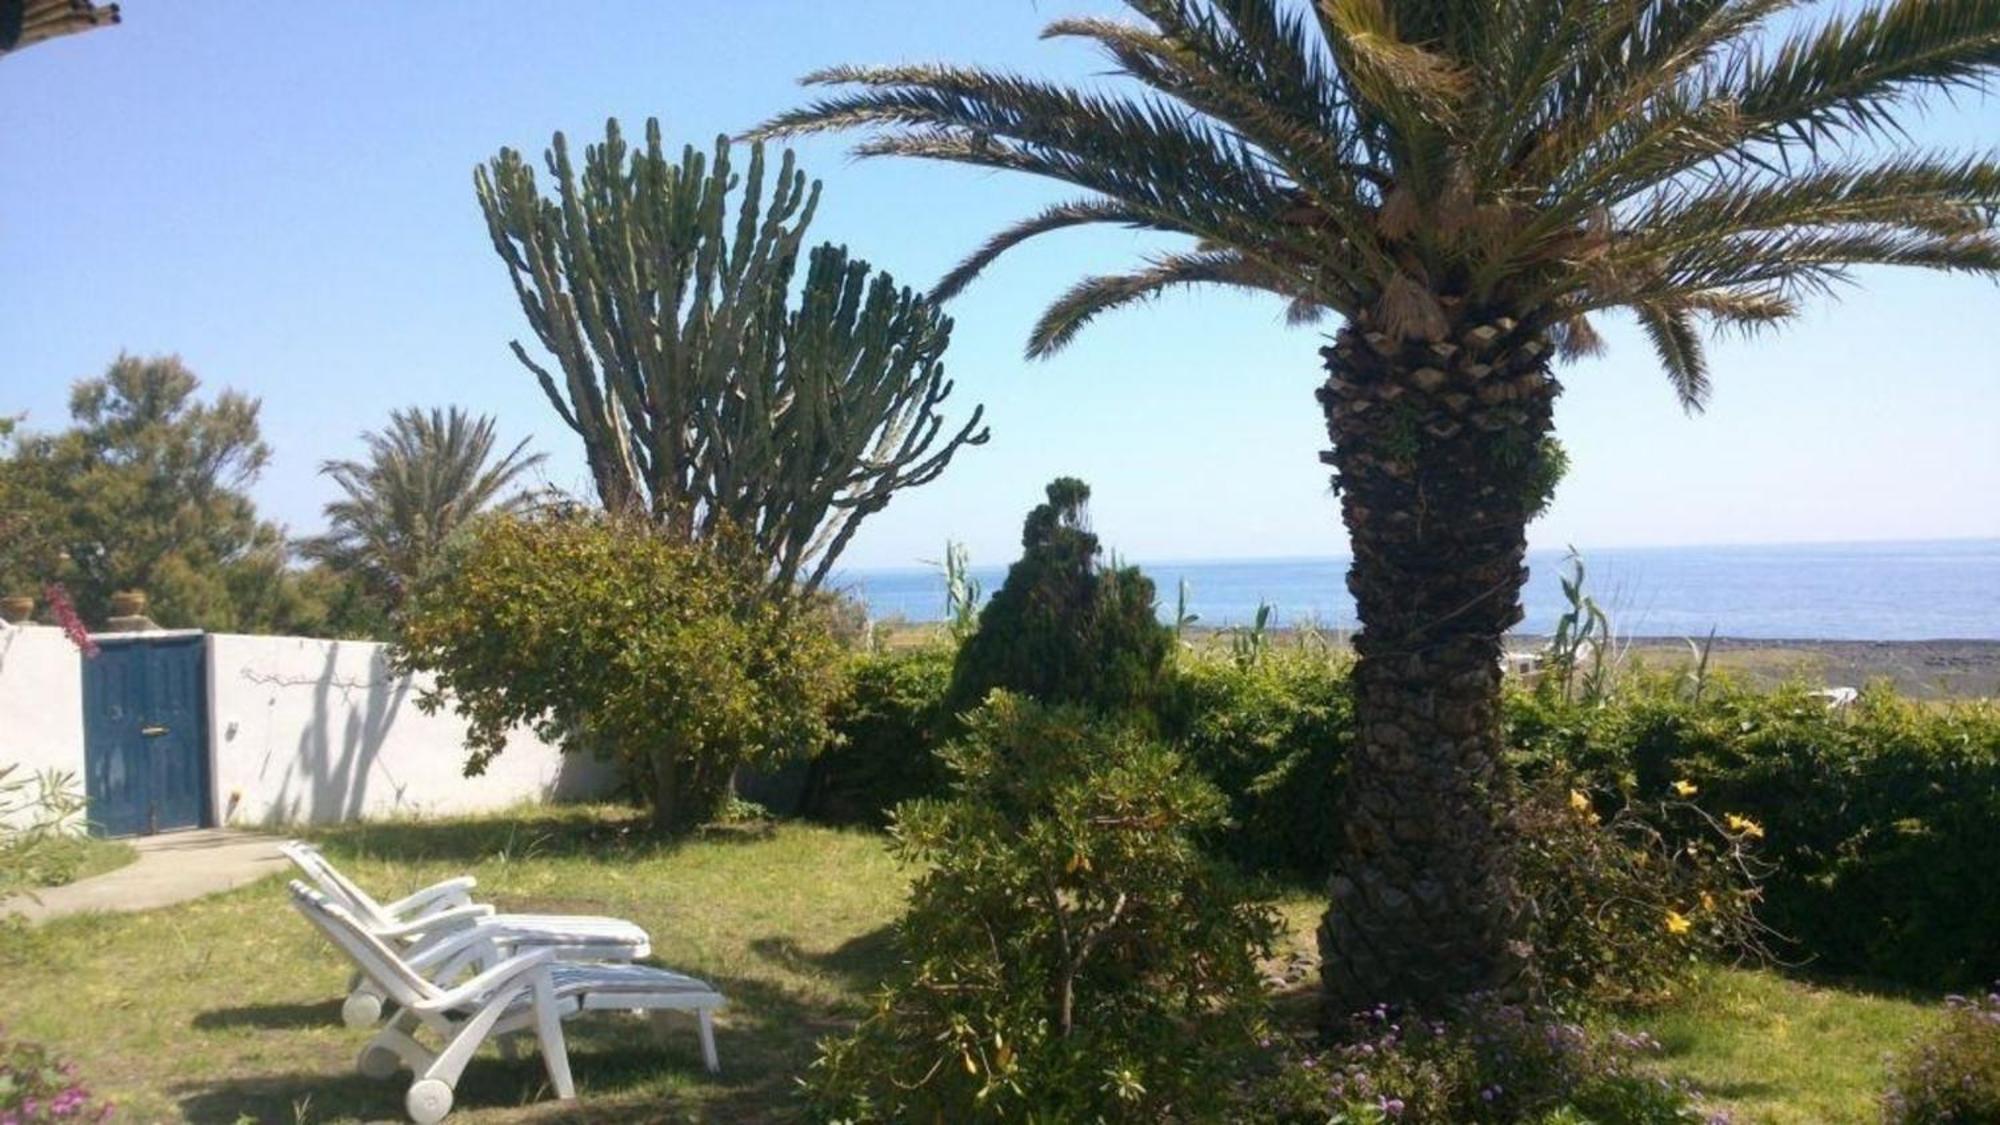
{"x":145,"y":735}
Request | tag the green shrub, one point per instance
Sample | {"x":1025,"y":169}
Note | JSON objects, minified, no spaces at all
{"x":1069,"y":953}
{"x":1881,"y":822}
{"x":1063,"y":627}
{"x":887,"y":727}
{"x":676,"y":660}
{"x":1624,"y":905}
{"x":41,"y":826}
{"x":1951,"y":1075}
{"x":1491,"y":1063}
{"x":1272,"y":735}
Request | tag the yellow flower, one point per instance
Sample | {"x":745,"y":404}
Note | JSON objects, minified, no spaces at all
{"x":1686,"y":788}
{"x":1744,"y":826}
{"x":1677,"y":922}
{"x":1578,"y":801}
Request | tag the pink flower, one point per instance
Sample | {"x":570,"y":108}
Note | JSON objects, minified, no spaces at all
{"x":67,"y":616}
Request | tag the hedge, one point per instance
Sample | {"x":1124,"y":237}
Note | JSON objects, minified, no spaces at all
{"x":1882,"y":820}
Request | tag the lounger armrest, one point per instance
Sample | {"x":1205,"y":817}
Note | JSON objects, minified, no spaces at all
{"x":435,"y":950}
{"x":444,"y":921}
{"x":514,"y":968}
{"x":438,"y":896}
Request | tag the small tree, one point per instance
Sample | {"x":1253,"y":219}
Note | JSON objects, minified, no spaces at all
{"x":704,"y":393}
{"x":673,"y":659}
{"x":1063,"y":627}
{"x":1070,"y":952}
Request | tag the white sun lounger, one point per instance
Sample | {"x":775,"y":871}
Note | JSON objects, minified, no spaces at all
{"x":421,"y":922}
{"x":529,"y":991}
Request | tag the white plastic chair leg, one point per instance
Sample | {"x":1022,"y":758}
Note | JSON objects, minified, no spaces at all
{"x":549,"y":1034}
{"x":396,"y":1041}
{"x":466,"y":1039}
{"x":707,"y":1027}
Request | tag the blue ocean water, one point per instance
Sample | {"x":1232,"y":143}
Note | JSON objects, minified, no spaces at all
{"x":1944,"y":590}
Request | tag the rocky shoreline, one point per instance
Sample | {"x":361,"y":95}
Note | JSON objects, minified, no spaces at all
{"x":1939,"y":669}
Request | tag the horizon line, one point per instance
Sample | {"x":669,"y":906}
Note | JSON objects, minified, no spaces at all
{"x":931,"y":567}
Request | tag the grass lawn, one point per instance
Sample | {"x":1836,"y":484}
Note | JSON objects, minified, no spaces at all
{"x":98,"y":857}
{"x":227,"y":1009}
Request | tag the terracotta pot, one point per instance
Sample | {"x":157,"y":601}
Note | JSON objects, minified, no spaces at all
{"x":17,"y":609}
{"x":128,"y":603}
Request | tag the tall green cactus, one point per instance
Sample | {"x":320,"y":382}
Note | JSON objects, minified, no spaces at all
{"x":702,"y":392}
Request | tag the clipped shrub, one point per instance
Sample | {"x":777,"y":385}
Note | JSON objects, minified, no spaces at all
{"x":1491,"y":1063}
{"x":1625,"y":905}
{"x":36,"y":1088}
{"x":1951,"y":1075}
{"x":676,"y":660}
{"x":1272,"y":735}
{"x":1069,"y":953}
{"x":887,"y":727}
{"x":1064,"y":627}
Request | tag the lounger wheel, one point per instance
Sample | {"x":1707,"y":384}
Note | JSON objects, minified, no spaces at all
{"x":361,"y":1009}
{"x":428,"y":1101}
{"x":377,"y":1062}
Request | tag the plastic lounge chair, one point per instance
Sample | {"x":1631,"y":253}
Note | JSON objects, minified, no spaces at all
{"x":422,"y":921}
{"x":531,"y":991}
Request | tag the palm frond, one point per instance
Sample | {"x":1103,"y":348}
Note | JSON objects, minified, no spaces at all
{"x":1094,"y":296}
{"x":1679,"y":347}
{"x":1061,"y":216}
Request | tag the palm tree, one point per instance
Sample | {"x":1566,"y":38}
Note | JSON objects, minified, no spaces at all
{"x":424,"y":477}
{"x":1464,"y":184}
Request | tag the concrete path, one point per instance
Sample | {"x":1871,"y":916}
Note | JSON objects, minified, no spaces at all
{"x":172,"y":867}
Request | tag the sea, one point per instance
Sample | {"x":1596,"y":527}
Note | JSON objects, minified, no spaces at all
{"x":1912,"y":591}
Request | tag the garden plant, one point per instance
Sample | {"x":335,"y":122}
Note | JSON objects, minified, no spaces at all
{"x":1464,"y":185}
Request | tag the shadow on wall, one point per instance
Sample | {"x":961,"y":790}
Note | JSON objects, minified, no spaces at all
{"x":323,"y":784}
{"x":343,"y":739}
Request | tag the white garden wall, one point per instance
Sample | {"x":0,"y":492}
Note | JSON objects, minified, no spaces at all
{"x":299,"y":732}
{"x":41,"y":702}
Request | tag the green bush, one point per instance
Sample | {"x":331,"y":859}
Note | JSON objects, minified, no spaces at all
{"x":887,"y":727}
{"x":676,"y":660}
{"x":1625,"y":903}
{"x":1881,"y":821}
{"x":1070,"y":953}
{"x":1490,"y":1063}
{"x":1272,"y":735}
{"x":1063,"y":627}
{"x":41,"y":826}
{"x":1951,"y":1075}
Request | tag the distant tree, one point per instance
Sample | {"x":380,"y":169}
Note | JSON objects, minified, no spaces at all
{"x":425,"y":475}
{"x":30,"y":541}
{"x":1465,"y":186}
{"x":705,"y":393}
{"x":23,"y":23}
{"x":145,"y":491}
{"x":1064,"y":627}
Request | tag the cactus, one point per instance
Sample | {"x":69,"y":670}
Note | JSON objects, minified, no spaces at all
{"x":703,"y":392}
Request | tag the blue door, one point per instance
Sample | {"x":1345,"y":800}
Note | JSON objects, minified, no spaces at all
{"x":145,"y":732}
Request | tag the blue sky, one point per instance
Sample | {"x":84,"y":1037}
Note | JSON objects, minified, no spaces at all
{"x":282,"y":194}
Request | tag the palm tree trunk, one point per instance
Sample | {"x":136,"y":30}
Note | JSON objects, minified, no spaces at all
{"x":1438,"y":452}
